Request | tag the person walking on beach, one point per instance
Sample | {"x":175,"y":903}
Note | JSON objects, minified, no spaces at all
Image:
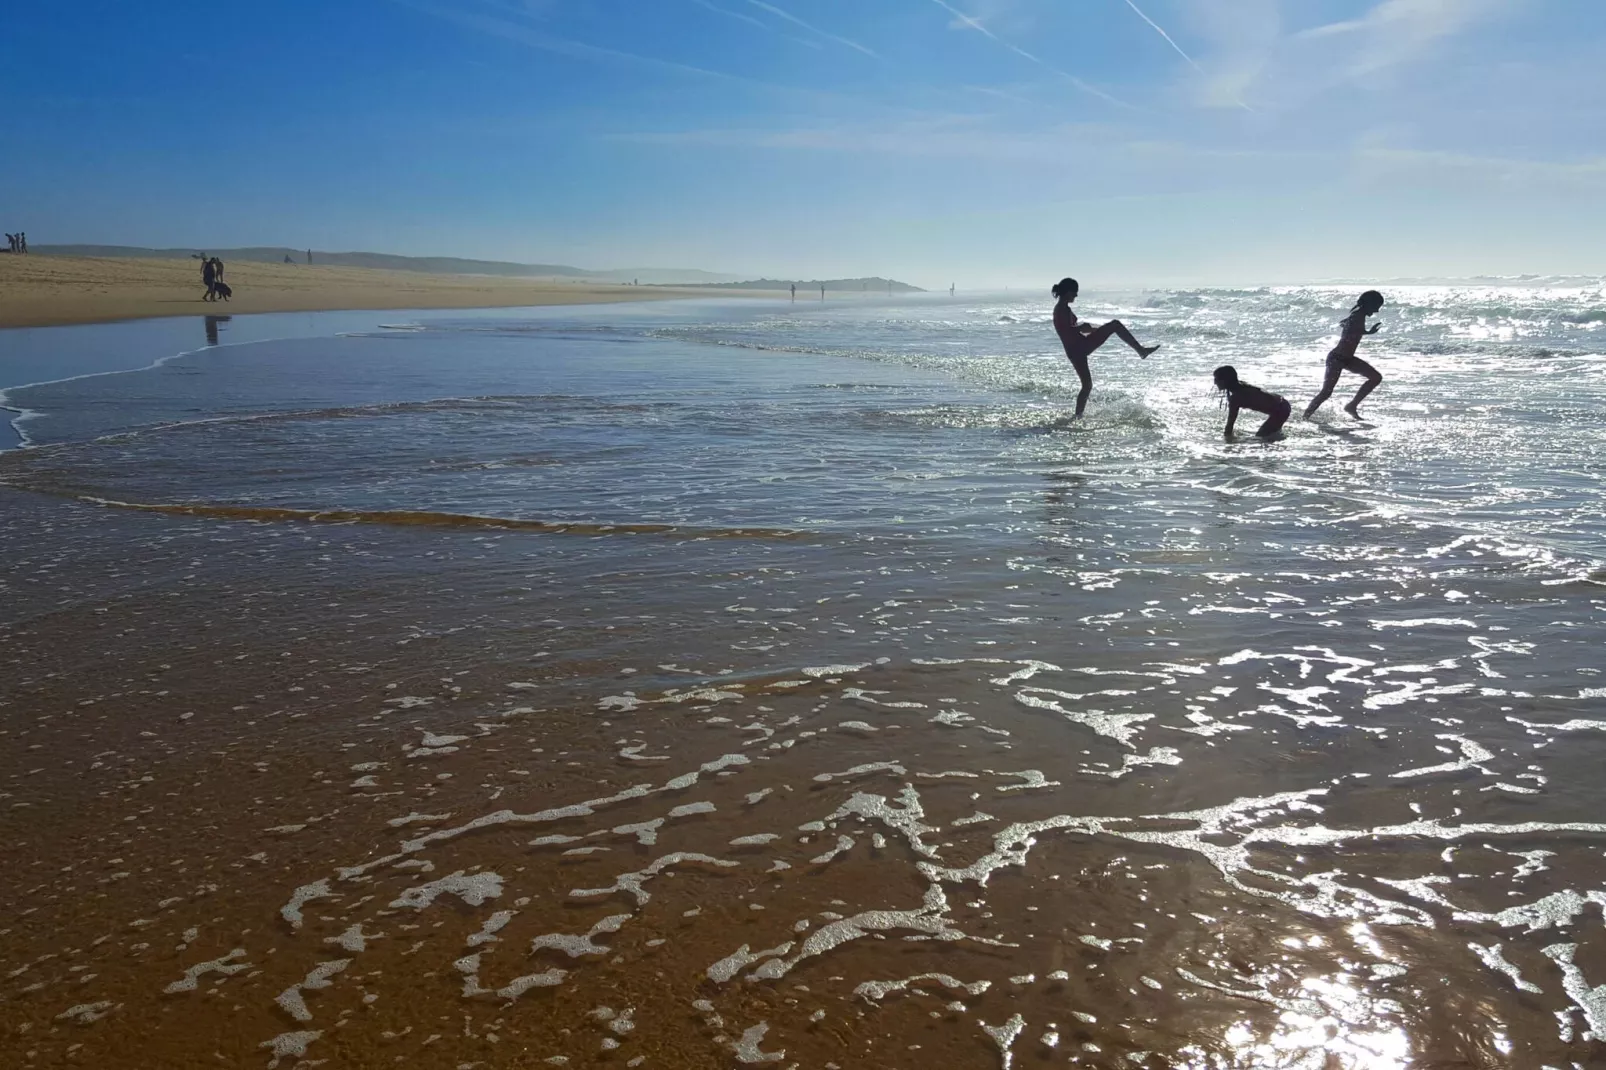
{"x":1343,"y":359}
{"x":1081,"y":339}
{"x":209,"y":277}
{"x":22,"y":242}
{"x":794,"y":293}
{"x":11,"y":242}
{"x":1240,"y":395}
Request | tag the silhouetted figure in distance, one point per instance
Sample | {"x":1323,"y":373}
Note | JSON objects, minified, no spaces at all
{"x":1240,"y":395}
{"x":209,"y":277}
{"x":1343,"y":359}
{"x":1081,"y":339}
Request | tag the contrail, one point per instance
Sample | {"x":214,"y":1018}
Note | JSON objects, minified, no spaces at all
{"x":976,"y":25}
{"x":789,"y":17}
{"x":1161,"y":31}
{"x":562,"y":46}
{"x":733,"y":14}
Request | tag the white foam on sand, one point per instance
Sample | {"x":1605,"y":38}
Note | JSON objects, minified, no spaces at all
{"x":353,"y":939}
{"x":475,"y":890}
{"x":860,"y":770}
{"x":645,"y":832}
{"x":291,"y":911}
{"x":747,"y":1049}
{"x":1590,"y":1000}
{"x":879,"y":990}
{"x":1494,"y":958}
{"x":493,"y":925}
{"x":226,"y":965}
{"x":738,"y":960}
{"x":291,"y":1001}
{"x":288,"y":1044}
{"x":86,"y":1013}
{"x":520,"y":985}
{"x":1005,"y":1035}
{"x":576,"y":945}
{"x":632,"y":882}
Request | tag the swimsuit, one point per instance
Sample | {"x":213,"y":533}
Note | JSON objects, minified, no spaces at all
{"x":1347,"y":361}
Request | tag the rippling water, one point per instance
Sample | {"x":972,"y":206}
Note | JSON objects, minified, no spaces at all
{"x":1110,"y":743}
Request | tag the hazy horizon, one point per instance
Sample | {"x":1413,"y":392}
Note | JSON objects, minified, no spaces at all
{"x":986,"y":144}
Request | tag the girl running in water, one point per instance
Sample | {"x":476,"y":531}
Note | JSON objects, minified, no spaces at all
{"x":1240,"y":395}
{"x":1081,"y":339}
{"x":1343,"y":359}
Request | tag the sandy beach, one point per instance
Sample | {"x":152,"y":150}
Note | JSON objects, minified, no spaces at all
{"x":48,"y":291}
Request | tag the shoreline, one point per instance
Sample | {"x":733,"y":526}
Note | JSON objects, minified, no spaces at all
{"x":61,"y":291}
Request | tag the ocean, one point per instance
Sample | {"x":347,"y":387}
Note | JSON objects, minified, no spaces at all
{"x":689,"y":683}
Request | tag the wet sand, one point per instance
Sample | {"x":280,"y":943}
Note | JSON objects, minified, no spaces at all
{"x":43,"y":291}
{"x":283,"y":789}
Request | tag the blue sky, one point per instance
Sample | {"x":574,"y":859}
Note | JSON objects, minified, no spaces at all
{"x":981,"y":142}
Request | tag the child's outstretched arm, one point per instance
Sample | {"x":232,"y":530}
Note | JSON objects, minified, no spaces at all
{"x":1232,"y":416}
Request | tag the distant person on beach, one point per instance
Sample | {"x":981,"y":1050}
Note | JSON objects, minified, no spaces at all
{"x":1343,"y":359}
{"x":1081,"y":339}
{"x":11,"y":243}
{"x":1240,"y":395}
{"x":794,"y":293}
{"x":22,"y":242}
{"x":822,"y":291}
{"x":209,"y":277}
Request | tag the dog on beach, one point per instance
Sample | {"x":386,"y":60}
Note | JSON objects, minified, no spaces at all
{"x":222,"y":291}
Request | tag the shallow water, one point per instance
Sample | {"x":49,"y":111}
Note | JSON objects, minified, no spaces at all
{"x":814,"y":650}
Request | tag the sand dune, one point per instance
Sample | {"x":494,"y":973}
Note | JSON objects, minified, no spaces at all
{"x":42,"y":291}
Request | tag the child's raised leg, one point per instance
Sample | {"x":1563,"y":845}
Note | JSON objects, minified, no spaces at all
{"x":1099,"y":335}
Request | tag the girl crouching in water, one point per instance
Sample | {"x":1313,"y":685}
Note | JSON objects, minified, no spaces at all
{"x":1240,"y":395}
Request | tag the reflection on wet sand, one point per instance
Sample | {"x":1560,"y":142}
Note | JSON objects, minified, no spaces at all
{"x":985,"y":860}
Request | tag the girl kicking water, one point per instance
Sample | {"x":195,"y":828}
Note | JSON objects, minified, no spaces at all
{"x":1240,"y":395}
{"x":1081,"y":339}
{"x":1343,"y":359}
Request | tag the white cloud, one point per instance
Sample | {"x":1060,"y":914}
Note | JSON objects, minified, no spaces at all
{"x":1253,"y":60}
